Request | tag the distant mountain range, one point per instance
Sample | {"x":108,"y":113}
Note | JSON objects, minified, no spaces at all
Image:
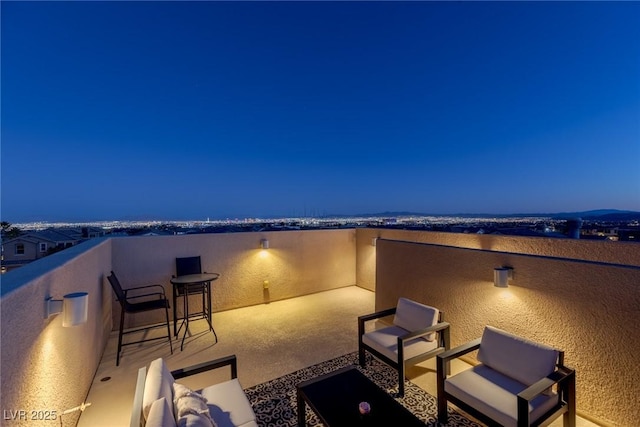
{"x":601,"y":214}
{"x":598,"y":214}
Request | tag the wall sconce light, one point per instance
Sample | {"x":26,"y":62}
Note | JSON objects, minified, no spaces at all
{"x":74,"y":308}
{"x":264,"y":244}
{"x":374,"y":241}
{"x":501,"y":276}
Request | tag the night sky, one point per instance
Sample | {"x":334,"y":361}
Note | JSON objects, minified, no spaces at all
{"x":170,"y":110}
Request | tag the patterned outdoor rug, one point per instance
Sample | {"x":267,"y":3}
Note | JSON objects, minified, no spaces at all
{"x":274,"y":402}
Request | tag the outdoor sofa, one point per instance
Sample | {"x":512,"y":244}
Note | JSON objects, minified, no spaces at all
{"x":162,"y":401}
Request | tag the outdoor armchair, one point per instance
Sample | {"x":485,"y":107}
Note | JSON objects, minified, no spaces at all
{"x":136,"y":300}
{"x":418,"y":333}
{"x":518,"y":382}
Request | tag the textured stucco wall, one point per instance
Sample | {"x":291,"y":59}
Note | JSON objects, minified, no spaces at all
{"x":366,"y":257}
{"x":44,"y":366}
{"x":296,"y":263}
{"x":589,"y":309}
{"x":611,"y":252}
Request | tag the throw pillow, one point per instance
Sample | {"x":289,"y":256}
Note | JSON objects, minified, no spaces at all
{"x":188,"y":402}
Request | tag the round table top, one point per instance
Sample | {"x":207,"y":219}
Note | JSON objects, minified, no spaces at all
{"x":194,"y":278}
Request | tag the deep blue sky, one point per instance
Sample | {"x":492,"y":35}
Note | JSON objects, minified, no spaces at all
{"x":162,"y":110}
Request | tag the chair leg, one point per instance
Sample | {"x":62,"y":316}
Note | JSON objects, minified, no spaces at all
{"x":361,"y":356}
{"x":401,"y":369}
{"x":120,"y":335}
{"x":569,"y":417}
{"x":441,"y":368}
{"x":166,"y":311}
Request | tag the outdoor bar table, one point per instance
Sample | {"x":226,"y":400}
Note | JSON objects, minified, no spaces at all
{"x":205,"y":280}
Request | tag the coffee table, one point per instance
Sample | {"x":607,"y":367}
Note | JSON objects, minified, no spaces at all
{"x":335,"y":398}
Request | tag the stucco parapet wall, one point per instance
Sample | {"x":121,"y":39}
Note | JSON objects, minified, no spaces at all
{"x":36,"y":270}
{"x":43,"y":365}
{"x":622,"y":253}
{"x":298,"y":262}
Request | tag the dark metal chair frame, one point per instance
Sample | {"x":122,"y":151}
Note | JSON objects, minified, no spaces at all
{"x":564,"y":377}
{"x":442,"y":336}
{"x":159,"y":301}
{"x":186,"y":266}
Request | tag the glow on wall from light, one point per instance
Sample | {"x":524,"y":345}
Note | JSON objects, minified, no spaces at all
{"x":47,"y":361}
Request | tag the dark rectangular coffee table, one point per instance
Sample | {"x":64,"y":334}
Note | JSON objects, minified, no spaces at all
{"x":335,"y":398}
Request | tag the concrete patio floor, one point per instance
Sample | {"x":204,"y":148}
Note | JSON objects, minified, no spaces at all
{"x":269,"y":340}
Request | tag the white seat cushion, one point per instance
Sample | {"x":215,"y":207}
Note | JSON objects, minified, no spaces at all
{"x":158,"y":384}
{"x":160,"y":414}
{"x":413,"y":316}
{"x":523,"y":360}
{"x":494,"y":394}
{"x":194,"y":420}
{"x":228,"y":405}
{"x":385,"y":341}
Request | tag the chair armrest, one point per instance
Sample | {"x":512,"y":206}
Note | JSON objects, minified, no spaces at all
{"x":372,"y":316}
{"x":136,"y":288}
{"x":426,"y":331}
{"x":377,"y":315}
{"x":556,"y":377}
{"x":160,"y":295}
{"x":207,"y":366}
{"x":460,"y":350}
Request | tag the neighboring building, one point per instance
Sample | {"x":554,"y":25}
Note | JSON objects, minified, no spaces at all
{"x":23,"y":250}
{"x":34,"y":245}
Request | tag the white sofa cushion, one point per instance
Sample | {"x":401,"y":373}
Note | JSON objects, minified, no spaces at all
{"x":228,"y":405}
{"x":412,"y":316}
{"x":385,"y":341}
{"x":158,"y":384}
{"x":523,"y":360}
{"x":160,"y":414}
{"x":494,"y":394}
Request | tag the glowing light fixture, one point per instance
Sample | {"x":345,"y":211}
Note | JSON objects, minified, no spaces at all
{"x":264,"y":244}
{"x":501,"y":276}
{"x":74,"y":308}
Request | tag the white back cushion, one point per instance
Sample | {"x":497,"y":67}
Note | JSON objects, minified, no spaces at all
{"x":160,"y":415}
{"x":518,"y":358}
{"x":412,"y":316}
{"x":159,"y":383}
